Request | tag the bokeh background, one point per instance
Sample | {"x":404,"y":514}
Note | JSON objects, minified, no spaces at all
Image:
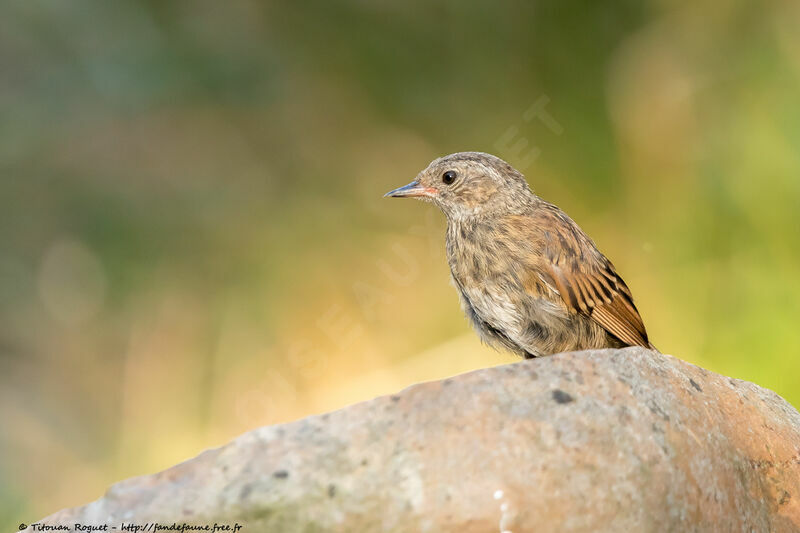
{"x":193,"y":241}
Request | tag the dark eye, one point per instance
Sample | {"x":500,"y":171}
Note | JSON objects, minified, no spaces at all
{"x":449,"y":177}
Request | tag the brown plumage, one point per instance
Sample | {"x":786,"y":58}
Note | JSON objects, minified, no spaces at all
{"x":529,"y":278}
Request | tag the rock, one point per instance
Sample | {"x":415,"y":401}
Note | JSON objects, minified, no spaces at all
{"x":607,"y":440}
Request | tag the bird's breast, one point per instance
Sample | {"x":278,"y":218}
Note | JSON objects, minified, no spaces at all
{"x":488,"y":273}
{"x":478,"y":253}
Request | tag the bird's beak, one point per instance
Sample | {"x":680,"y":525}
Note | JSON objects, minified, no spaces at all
{"x":412,"y":190}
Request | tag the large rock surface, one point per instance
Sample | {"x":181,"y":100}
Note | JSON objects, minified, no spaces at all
{"x":613,"y":440}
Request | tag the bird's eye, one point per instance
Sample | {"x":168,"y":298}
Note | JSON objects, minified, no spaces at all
{"x":449,"y":177}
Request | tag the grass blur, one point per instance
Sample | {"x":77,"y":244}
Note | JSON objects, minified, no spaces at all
{"x":193,"y":241}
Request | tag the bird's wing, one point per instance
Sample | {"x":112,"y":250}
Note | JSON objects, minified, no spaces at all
{"x":588,"y":283}
{"x":603,"y":296}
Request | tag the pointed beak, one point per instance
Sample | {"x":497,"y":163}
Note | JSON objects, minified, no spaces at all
{"x":412,"y":190}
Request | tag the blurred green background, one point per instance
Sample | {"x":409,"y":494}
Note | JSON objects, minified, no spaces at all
{"x":193,"y":241}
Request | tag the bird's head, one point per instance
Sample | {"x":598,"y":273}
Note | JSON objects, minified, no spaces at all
{"x":469,"y":184}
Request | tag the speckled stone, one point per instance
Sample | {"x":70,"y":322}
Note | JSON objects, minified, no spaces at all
{"x":609,"y":440}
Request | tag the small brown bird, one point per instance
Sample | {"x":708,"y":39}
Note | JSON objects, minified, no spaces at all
{"x":529,"y":278}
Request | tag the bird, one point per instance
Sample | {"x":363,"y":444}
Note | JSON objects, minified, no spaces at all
{"x":530,"y":280}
